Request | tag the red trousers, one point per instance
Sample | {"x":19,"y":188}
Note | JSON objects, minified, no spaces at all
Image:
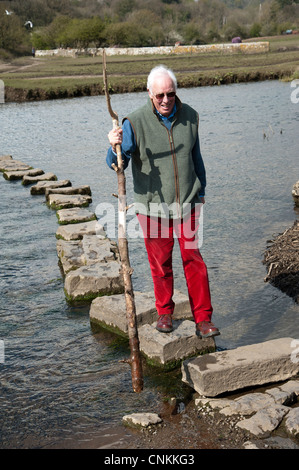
{"x":159,"y":241}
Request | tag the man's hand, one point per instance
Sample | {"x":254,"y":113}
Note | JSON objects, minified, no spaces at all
{"x":202,"y":199}
{"x":115,"y":138}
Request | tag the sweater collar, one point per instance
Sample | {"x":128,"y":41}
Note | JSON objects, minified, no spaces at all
{"x":177,"y":107}
{"x":166,"y":118}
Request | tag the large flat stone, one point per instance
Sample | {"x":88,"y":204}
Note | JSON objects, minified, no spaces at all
{"x":41,"y":186}
{"x":292,"y":422}
{"x":88,"y":282}
{"x":18,"y":175}
{"x":91,"y":249}
{"x":77,"y":231}
{"x":168,"y":349}
{"x":9,"y":164}
{"x":84,"y":189}
{"x":264,"y":421}
{"x":63,"y":201}
{"x":5,"y":157}
{"x":111,"y":311}
{"x":246,"y":366}
{"x":74,"y":215}
{"x":34,"y":179}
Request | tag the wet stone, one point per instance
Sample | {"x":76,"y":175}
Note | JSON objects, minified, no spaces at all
{"x":111,"y":311}
{"x":74,"y":215}
{"x":34,"y":179}
{"x":246,"y":366}
{"x":292,"y":422}
{"x":295,"y":193}
{"x":88,"y":282}
{"x":169,"y":349}
{"x":77,"y":231}
{"x":5,"y":157}
{"x":8,"y":164}
{"x":18,"y":175}
{"x":41,"y":186}
{"x":91,"y":249}
{"x":70,"y":190}
{"x":63,"y":201}
{"x":264,"y":421}
{"x":141,"y":419}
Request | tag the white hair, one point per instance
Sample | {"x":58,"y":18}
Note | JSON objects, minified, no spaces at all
{"x":160,"y":70}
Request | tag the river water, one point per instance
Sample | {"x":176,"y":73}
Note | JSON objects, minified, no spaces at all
{"x":62,"y":383}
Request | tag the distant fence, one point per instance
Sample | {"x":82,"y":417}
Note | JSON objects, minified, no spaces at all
{"x":228,"y":48}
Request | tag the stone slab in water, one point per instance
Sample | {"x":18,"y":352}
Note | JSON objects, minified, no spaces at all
{"x":295,"y":193}
{"x":74,"y":215}
{"x":63,"y":201}
{"x":34,"y":179}
{"x":41,"y":186}
{"x":5,"y":157}
{"x":8,"y":164}
{"x":77,"y":231}
{"x":84,"y":189}
{"x":111,"y":311}
{"x":18,"y":175}
{"x":88,"y":282}
{"x":167,"y":349}
{"x":246,"y":366}
{"x":91,"y":249}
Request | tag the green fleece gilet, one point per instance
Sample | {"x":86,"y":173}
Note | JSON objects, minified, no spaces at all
{"x":162,"y":166}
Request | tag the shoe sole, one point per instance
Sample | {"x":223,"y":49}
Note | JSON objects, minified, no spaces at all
{"x":168,"y":330}
{"x":208,"y":335}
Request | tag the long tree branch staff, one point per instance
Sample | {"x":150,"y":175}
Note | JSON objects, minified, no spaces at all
{"x":161,"y":141}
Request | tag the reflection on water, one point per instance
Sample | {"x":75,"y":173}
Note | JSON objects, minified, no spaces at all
{"x":62,"y":381}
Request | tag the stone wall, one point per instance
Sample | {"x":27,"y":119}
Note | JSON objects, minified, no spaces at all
{"x":228,"y":48}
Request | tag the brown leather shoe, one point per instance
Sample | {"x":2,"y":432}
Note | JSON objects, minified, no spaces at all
{"x":205,"y":329}
{"x":164,"y":323}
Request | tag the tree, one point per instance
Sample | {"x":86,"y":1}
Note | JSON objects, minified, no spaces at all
{"x":13,"y":36}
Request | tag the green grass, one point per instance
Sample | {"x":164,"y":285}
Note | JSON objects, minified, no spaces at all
{"x":52,"y":77}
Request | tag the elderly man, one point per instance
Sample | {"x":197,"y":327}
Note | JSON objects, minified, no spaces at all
{"x":161,"y":141}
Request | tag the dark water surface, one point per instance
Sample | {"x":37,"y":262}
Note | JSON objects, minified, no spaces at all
{"x":63,"y":383}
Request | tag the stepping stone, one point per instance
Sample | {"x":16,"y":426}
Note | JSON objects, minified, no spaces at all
{"x":34,"y":179}
{"x":110,"y":312}
{"x":77,"y":231}
{"x":5,"y":157}
{"x":8,"y":164}
{"x":264,"y":421}
{"x":88,"y":282}
{"x":74,"y":215}
{"x":169,"y":349}
{"x":91,"y":249}
{"x":246,"y":366}
{"x":41,"y":186}
{"x":18,"y":175}
{"x":142,"y":420}
{"x":84,"y":189}
{"x":292,"y":423}
{"x":62,"y":201}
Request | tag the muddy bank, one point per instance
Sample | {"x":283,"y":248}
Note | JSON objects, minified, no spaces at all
{"x":187,"y":428}
{"x":188,"y":81}
{"x":282,"y":261}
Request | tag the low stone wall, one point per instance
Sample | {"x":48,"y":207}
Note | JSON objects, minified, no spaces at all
{"x":227,"y":48}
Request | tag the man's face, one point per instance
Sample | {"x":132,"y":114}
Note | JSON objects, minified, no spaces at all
{"x":163,"y":104}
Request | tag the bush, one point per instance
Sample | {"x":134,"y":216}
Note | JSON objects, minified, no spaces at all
{"x":13,"y":36}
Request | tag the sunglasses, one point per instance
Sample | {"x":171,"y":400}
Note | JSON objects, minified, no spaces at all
{"x":160,"y":96}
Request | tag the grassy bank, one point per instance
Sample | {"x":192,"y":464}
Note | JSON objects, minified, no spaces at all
{"x":31,"y":78}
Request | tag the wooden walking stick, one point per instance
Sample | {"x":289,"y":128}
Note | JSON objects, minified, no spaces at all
{"x":135,"y":358}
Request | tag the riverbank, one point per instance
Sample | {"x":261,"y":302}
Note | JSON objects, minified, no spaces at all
{"x":46,"y":78}
{"x":282,"y":261}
